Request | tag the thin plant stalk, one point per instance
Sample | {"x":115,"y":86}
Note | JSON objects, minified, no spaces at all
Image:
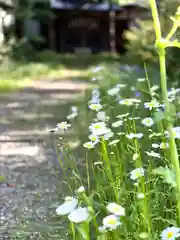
{"x":73,"y":231}
{"x":162,"y":60}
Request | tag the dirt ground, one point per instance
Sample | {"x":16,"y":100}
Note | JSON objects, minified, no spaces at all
{"x":26,"y":154}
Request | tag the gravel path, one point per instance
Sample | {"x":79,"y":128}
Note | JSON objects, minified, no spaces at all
{"x":26,"y":155}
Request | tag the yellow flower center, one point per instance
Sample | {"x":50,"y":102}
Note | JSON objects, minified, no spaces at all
{"x":170,"y":235}
{"x":97,"y":127}
{"x":151,"y":104}
{"x":116,"y":209}
{"x":138,"y":174}
{"x":112,"y":221}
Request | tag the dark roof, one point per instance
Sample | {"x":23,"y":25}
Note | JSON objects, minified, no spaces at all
{"x":99,"y":6}
{"x":82,"y":4}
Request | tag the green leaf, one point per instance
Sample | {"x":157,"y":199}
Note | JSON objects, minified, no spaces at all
{"x":172,"y":109}
{"x":167,"y":174}
{"x":83,"y":230}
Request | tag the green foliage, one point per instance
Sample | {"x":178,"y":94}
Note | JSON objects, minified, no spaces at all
{"x":167,"y":174}
{"x":141,"y":40}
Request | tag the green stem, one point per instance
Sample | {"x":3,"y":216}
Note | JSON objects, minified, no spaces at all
{"x":172,"y":32}
{"x":73,"y":231}
{"x":172,"y":144}
{"x":156,"y":21}
{"x":106,"y":159}
{"x":88,"y":174}
{"x":162,"y":60}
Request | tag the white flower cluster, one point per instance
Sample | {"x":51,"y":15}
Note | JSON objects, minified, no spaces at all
{"x":112,"y":221}
{"x":98,"y":129}
{"x":75,"y":215}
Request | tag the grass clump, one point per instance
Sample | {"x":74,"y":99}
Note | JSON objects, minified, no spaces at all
{"x":128,"y":187}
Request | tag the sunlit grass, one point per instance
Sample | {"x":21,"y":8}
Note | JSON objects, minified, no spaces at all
{"x":16,"y":74}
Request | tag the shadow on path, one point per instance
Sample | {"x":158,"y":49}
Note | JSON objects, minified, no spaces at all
{"x":26,"y":154}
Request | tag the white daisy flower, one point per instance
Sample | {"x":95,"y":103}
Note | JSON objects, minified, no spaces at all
{"x":108,"y":135}
{"x":102,"y":229}
{"x":116,"y":209}
{"x":101,"y":116}
{"x":130,"y":135}
{"x":122,"y":115}
{"x":134,"y":135}
{"x":113,"y":91}
{"x":148,"y":122}
{"x":95,"y":106}
{"x":111,"y":222}
{"x":155,"y":145}
{"x":126,"y":102}
{"x":170,"y":233}
{"x":93,"y":138}
{"x":140,"y":196}
{"x":137,"y":173}
{"x":68,"y":206}
{"x":134,"y":118}
{"x":89,"y":145}
{"x":99,"y":128}
{"x":153,"y":154}
{"x":79,"y":215}
{"x":117,"y":124}
{"x":153,"y":104}
{"x":138,"y":135}
{"x":63,"y":125}
{"x":129,"y":101}
{"x":81,"y":189}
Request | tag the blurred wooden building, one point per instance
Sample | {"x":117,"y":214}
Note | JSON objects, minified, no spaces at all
{"x":68,"y":25}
